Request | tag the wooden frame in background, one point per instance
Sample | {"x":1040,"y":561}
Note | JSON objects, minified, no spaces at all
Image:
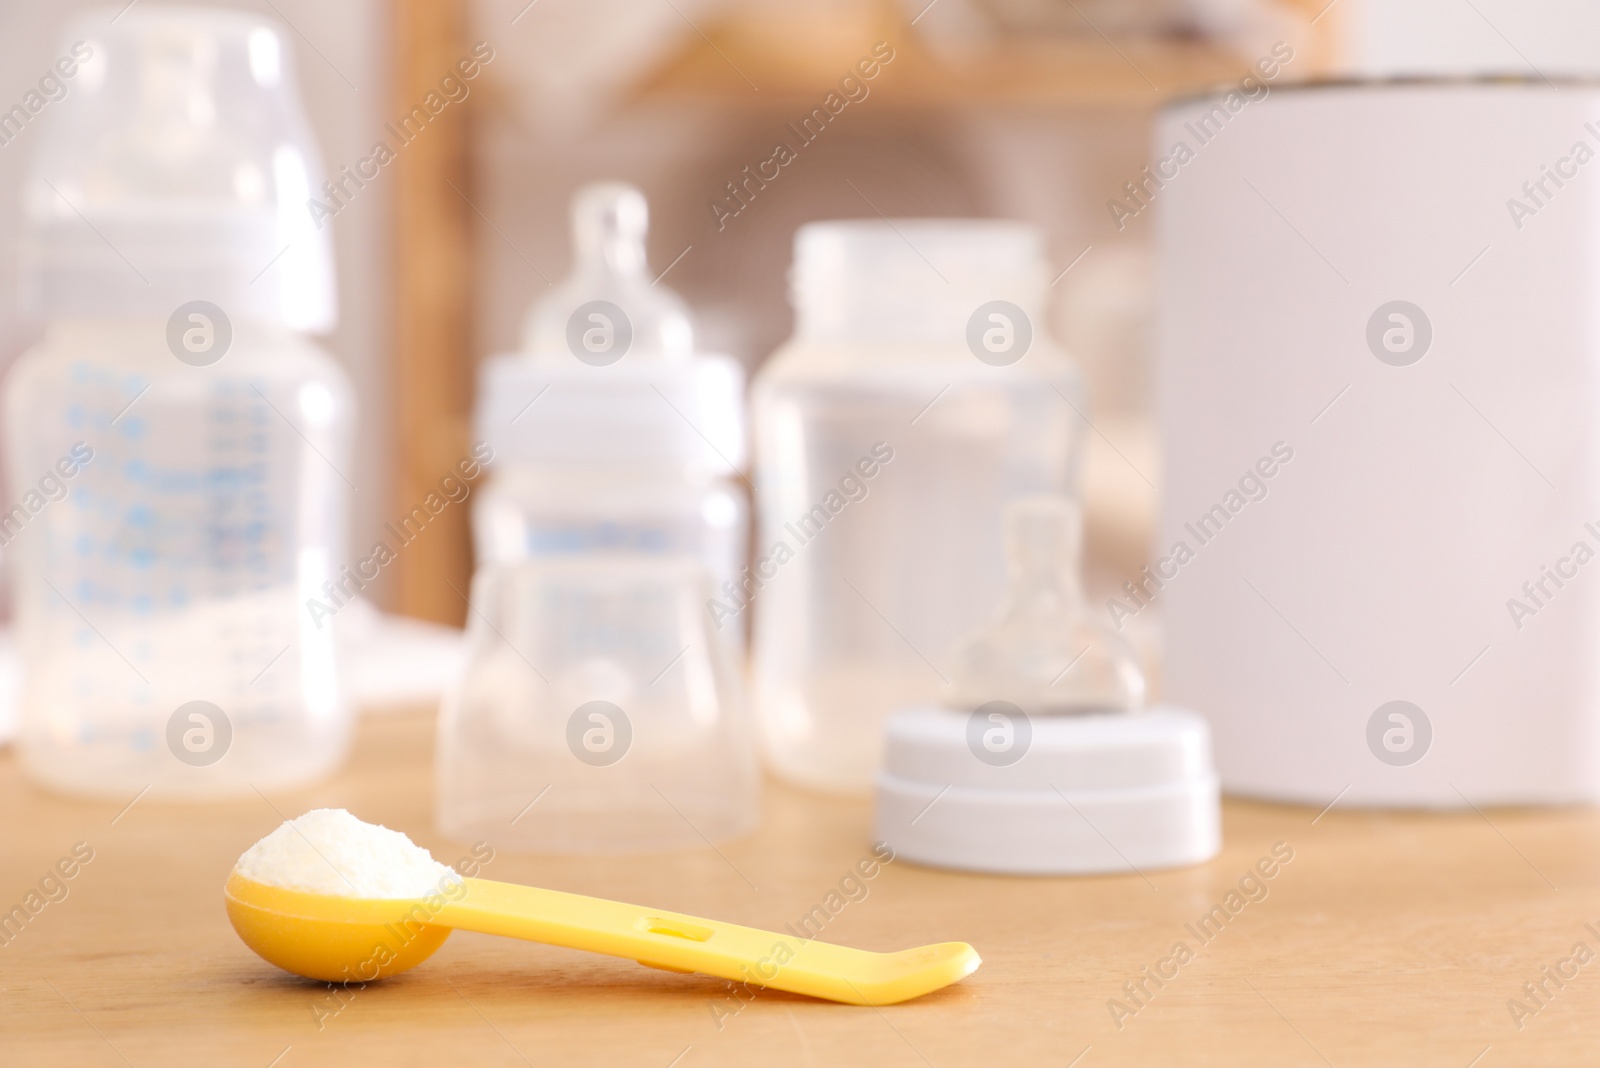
{"x":432,"y":310}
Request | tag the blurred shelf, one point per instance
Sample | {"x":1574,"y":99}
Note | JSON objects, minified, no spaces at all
{"x":1043,"y":73}
{"x":768,"y":62}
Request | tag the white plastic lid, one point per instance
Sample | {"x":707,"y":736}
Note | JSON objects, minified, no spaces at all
{"x":178,"y":167}
{"x":1051,"y":794}
{"x":874,"y":279}
{"x":650,"y":413}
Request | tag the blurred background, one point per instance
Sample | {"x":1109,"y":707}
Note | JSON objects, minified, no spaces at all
{"x":1038,"y":110}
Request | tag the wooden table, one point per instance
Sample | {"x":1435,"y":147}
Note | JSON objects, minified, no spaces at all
{"x":1387,"y":939}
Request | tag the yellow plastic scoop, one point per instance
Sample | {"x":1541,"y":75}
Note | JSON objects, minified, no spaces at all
{"x":351,"y":939}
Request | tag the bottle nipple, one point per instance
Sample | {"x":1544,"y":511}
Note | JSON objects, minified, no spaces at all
{"x":182,"y":148}
{"x":609,"y":223}
{"x":608,"y":307}
{"x":1043,"y":651}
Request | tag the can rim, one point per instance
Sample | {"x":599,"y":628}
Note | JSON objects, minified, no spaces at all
{"x":1399,"y":81}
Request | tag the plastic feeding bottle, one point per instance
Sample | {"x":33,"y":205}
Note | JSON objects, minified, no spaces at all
{"x":1039,"y":757}
{"x":174,"y":442}
{"x":610,"y":434}
{"x":917,"y":398}
{"x":601,"y":676}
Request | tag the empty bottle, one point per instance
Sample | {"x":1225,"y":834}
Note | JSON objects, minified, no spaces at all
{"x":918,"y":397}
{"x":175,"y":443}
{"x":611,"y":433}
{"x":602,"y":708}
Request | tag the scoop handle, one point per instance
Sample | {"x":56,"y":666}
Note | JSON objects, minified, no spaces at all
{"x":678,"y":943}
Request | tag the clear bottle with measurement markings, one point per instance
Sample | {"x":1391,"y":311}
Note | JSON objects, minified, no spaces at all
{"x":175,"y":444}
{"x":919,"y":396}
{"x":601,"y":707}
{"x":612,"y":434}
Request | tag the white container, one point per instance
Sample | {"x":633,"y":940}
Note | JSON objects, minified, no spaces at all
{"x":1379,"y":336}
{"x":610,"y":434}
{"x":918,"y":397}
{"x":194,"y":435}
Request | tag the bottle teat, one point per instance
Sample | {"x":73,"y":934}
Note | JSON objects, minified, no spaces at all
{"x":1043,"y":652}
{"x":608,"y":306}
{"x":175,"y":165}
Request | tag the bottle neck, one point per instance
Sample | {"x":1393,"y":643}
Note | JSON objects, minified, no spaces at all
{"x":1045,"y":591}
{"x":932,"y":314}
{"x":156,"y":344}
{"x":609,"y":224}
{"x":107,"y":328}
{"x":579,"y":480}
{"x":914,"y":281}
{"x":610,"y":255}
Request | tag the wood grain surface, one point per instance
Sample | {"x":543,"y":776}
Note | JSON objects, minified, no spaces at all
{"x":432,"y":307}
{"x":1387,"y":939}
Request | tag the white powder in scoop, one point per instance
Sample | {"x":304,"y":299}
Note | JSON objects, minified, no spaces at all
{"x":329,"y":851}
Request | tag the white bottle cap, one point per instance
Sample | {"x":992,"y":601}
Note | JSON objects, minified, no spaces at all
{"x":177,"y":167}
{"x":688,"y":415}
{"x":997,"y":791}
{"x":871,"y":279}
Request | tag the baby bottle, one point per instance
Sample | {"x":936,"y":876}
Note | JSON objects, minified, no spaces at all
{"x":602,"y":705}
{"x":177,"y":449}
{"x":610,"y":433}
{"x":1041,"y":758}
{"x":918,"y":397}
